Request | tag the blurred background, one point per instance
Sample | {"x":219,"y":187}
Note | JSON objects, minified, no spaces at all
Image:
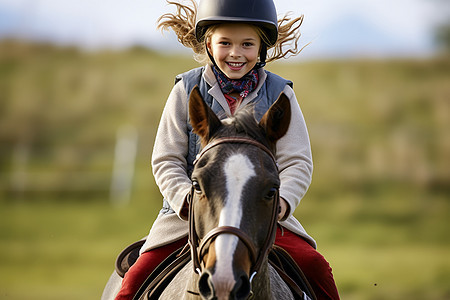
{"x":82,"y":87}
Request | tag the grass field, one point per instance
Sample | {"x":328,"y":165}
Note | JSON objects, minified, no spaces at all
{"x":379,"y":204}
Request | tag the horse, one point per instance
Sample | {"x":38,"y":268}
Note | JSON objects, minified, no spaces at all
{"x":233,"y":207}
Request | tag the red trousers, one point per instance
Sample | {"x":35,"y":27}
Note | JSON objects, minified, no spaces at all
{"x":312,"y":263}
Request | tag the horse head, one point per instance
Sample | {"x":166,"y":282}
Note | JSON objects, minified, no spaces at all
{"x":234,"y":199}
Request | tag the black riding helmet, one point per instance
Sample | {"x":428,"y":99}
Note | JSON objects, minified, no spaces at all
{"x":261,"y":13}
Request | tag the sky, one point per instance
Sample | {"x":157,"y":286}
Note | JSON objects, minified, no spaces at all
{"x":345,"y":28}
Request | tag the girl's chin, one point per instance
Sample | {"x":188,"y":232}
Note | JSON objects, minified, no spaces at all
{"x":232,"y":74}
{"x":235,"y":72}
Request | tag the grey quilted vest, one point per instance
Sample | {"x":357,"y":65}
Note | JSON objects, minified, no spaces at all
{"x":267,"y":95}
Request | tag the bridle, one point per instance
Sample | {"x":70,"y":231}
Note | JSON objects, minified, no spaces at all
{"x":198,"y":249}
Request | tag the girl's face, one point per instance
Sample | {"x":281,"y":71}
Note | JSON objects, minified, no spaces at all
{"x":235,"y":49}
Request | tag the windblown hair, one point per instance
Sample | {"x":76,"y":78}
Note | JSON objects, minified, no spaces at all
{"x":182,"y":22}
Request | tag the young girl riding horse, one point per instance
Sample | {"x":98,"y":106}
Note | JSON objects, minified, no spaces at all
{"x":231,"y":37}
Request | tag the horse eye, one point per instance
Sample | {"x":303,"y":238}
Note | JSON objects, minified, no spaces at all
{"x":197,"y":187}
{"x":272,"y":192}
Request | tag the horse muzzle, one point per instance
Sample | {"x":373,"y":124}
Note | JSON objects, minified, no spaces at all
{"x":215,"y":288}
{"x":225,"y":279}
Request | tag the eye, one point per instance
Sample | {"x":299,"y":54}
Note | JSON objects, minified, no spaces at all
{"x":271,"y":193}
{"x":196,"y":187}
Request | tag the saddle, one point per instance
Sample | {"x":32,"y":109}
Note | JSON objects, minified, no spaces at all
{"x":155,"y":284}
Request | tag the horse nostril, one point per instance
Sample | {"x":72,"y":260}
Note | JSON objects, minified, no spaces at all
{"x":205,"y":286}
{"x":242,"y":288}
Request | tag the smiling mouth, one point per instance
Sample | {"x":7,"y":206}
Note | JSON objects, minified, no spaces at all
{"x":235,"y":66}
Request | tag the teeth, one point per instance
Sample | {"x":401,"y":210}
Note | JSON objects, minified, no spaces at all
{"x":236,"y":64}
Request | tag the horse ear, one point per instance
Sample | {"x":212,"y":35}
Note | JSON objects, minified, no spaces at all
{"x":202,"y":118}
{"x":275,"y":121}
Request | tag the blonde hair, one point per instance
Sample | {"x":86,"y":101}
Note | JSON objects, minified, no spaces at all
{"x":183,"y":24}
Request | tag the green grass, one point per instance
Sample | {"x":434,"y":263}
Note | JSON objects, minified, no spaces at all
{"x":54,"y":250}
{"x":390,"y":246}
{"x":64,"y":250}
{"x":378,"y":204}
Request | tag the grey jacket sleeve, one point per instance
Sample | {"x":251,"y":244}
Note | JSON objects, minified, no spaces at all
{"x":294,"y":157}
{"x":169,"y":164}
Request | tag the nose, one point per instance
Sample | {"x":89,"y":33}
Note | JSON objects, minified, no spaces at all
{"x":235,"y":52}
{"x":240,"y":291}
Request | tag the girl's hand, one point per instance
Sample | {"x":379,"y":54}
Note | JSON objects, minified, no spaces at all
{"x":282,"y":209}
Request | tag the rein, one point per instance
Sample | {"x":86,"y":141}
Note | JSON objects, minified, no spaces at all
{"x":198,"y":249}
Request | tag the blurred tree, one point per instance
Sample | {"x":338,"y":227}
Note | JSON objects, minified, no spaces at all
{"x":442,"y":37}
{"x":442,"y":31}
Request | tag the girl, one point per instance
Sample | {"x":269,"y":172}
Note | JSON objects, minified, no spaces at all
{"x":231,"y":37}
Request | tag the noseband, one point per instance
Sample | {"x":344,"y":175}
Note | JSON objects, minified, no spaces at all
{"x":197,"y":251}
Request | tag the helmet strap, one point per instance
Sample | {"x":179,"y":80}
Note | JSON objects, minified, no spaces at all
{"x":211,"y":57}
{"x":262,"y":57}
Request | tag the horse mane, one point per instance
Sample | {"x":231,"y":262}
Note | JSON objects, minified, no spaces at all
{"x":244,"y":123}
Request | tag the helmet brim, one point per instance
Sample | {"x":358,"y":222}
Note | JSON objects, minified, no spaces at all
{"x":270,"y":28}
